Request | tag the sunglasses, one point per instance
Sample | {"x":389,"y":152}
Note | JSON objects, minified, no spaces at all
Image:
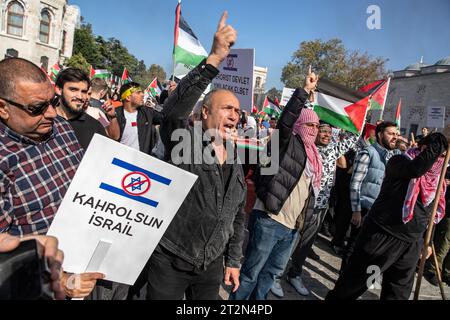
{"x":35,"y":110}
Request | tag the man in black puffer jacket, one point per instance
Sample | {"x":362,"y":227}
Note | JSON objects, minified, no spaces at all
{"x":283,"y":197}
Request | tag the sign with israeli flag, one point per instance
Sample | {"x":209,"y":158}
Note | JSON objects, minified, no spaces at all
{"x":116,"y":210}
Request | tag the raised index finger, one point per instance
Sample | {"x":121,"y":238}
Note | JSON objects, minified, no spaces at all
{"x":223,"y":21}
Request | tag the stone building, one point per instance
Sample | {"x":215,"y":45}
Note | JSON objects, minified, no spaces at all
{"x":259,"y":83}
{"x":41,"y":31}
{"x":419,"y":86}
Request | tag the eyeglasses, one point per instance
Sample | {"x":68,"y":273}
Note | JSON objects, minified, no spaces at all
{"x":35,"y":110}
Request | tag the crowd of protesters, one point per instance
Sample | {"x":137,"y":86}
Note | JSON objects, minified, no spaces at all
{"x":372,"y":197}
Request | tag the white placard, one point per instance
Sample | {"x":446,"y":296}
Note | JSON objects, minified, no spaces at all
{"x":436,"y":117}
{"x":287,"y":94}
{"x":236,"y":75}
{"x":116,"y":210}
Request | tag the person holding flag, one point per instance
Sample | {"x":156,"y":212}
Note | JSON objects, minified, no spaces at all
{"x":391,"y":237}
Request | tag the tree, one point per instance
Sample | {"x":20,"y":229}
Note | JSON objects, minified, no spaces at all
{"x":80,"y":62}
{"x":274,"y":93}
{"x":111,"y":55}
{"x":84,"y":43}
{"x":156,"y":71}
{"x":331,"y":60}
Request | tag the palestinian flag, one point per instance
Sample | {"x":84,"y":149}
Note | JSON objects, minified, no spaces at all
{"x":154,"y":88}
{"x":48,"y":77}
{"x":188,"y":52}
{"x":102,"y":74}
{"x":54,"y":71}
{"x":271,"y":108}
{"x":91,"y":72}
{"x":250,"y":144}
{"x":398,"y":115}
{"x":125,"y":76}
{"x":341,"y":107}
{"x":372,"y":87}
{"x":370,"y":130}
{"x":378,"y":99}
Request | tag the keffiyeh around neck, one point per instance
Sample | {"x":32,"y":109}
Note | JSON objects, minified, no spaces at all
{"x":426,"y":186}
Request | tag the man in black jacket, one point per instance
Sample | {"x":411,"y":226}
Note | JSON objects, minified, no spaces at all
{"x":137,"y":122}
{"x":391,"y":238}
{"x":208,"y":230}
{"x":283,"y":197}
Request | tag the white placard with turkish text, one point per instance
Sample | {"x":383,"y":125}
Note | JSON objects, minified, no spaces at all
{"x":116,"y":210}
{"x":236,"y":75}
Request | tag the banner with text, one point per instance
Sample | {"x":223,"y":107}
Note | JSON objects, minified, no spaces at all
{"x":236,"y":75}
{"x":286,"y":96}
{"x":436,"y":117}
{"x":116,"y":210}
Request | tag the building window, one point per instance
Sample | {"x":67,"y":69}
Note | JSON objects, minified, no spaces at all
{"x":15,"y":19}
{"x":44,"y":31}
{"x":44,"y":63}
{"x":63,"y":42}
{"x":258,"y":82}
{"x":11,"y":53}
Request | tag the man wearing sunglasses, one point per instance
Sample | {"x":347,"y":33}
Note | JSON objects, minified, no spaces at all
{"x":39,"y":155}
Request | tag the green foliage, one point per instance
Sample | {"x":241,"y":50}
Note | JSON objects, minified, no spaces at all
{"x":112,"y":55}
{"x":331,"y":60}
{"x":78,"y":61}
{"x":274,"y":93}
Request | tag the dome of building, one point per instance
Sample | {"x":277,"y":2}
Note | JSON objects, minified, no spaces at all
{"x":416,"y":66}
{"x":443,"y":62}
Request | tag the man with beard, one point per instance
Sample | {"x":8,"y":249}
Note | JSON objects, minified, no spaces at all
{"x":368,"y":176}
{"x":391,"y":238}
{"x":72,"y":85}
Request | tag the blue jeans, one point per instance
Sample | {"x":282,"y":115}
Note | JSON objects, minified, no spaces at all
{"x":267,"y":255}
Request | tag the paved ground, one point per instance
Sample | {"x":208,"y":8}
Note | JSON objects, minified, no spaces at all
{"x":319,"y":277}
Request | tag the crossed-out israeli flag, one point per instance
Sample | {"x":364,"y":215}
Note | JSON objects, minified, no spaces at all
{"x":138,"y":183}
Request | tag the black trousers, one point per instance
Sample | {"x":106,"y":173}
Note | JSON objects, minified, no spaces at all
{"x":342,"y":210}
{"x":396,"y":260}
{"x":168,"y":279}
{"x":313,"y":221}
{"x":354,"y":232}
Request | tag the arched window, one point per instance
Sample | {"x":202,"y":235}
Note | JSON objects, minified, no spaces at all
{"x":15,"y":19}
{"x":63,"y":42}
{"x":258,"y":82}
{"x":44,"y":63}
{"x":44,"y":30}
{"x":11,"y":53}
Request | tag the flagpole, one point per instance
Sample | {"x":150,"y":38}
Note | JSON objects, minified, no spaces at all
{"x":431,"y":225}
{"x":365,"y":118}
{"x":385,"y":98}
{"x":174,"y":45}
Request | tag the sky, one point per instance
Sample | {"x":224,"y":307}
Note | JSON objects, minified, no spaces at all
{"x":409,"y":30}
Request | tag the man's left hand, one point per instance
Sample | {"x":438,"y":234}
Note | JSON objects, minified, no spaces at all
{"x":232,"y":277}
{"x":110,"y":110}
